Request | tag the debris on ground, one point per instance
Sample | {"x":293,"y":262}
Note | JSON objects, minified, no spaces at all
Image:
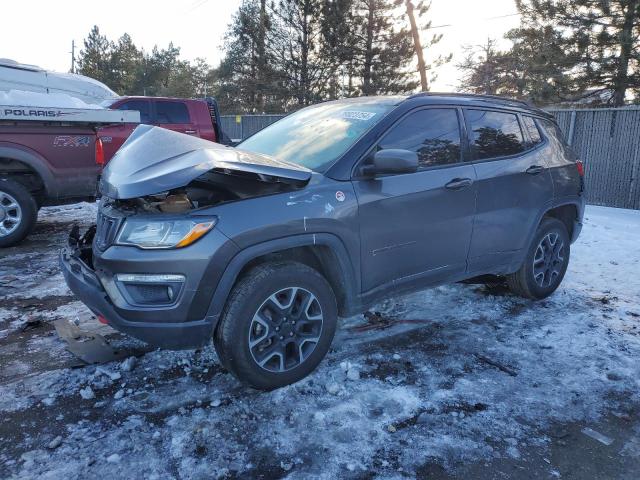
{"x":129,"y":364}
{"x":499,"y":366}
{"x":55,"y":443}
{"x":91,"y":348}
{"x":108,"y":373}
{"x":31,"y":324}
{"x":597,"y":436}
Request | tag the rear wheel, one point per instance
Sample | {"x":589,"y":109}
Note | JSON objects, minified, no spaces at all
{"x":277,"y":325}
{"x":18,"y":212}
{"x":545,"y":264}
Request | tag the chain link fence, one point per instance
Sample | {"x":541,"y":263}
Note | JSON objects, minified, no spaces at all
{"x":607,"y":140}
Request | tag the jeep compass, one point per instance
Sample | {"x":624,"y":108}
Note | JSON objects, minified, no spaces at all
{"x":340,"y":205}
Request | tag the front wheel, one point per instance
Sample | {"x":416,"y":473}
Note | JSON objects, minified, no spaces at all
{"x":545,"y":264}
{"x":18,"y":212}
{"x":277,"y":325}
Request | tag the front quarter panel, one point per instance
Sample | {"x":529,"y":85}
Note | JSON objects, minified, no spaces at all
{"x":323,"y":206}
{"x":323,"y":214}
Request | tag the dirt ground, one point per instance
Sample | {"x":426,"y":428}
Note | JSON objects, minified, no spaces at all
{"x":457,"y":382}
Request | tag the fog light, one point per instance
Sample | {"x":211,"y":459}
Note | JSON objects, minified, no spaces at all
{"x":151,"y":278}
{"x":150,"y":289}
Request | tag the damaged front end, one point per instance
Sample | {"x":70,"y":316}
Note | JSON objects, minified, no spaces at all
{"x":177,"y":177}
{"x":158,"y":163}
{"x":157,"y":197}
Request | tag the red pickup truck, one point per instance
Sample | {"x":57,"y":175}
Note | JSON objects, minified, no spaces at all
{"x":200,"y":118}
{"x":54,"y":156}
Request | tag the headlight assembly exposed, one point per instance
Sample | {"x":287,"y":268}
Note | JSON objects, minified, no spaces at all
{"x":145,"y":233}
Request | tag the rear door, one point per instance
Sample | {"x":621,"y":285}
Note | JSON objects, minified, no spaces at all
{"x":114,"y":136}
{"x":174,"y":115}
{"x":513,"y":183}
{"x":415,"y":228}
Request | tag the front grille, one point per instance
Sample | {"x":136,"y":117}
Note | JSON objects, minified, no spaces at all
{"x":106,"y":231}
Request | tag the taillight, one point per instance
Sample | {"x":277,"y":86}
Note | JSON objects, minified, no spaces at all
{"x":103,"y":320}
{"x":580,"y":167}
{"x":99,"y":153}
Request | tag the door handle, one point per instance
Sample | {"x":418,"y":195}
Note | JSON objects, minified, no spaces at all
{"x":189,"y":132}
{"x":534,"y":170}
{"x":459,"y":183}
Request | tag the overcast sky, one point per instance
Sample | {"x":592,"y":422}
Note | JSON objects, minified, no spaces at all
{"x":40,"y":31}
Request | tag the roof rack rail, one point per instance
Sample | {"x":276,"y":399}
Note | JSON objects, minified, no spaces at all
{"x":472,"y":95}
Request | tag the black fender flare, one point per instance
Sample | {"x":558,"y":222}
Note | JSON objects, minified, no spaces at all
{"x":243,"y":257}
{"x":574,"y":201}
{"x":35,"y":161}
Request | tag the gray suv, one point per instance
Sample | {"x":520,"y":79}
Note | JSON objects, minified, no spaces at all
{"x":323,"y":214}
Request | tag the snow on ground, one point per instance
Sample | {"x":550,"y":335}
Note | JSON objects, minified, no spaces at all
{"x":39,"y":99}
{"x":458,"y":377}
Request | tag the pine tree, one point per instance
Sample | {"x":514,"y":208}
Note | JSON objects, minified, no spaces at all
{"x":536,"y":67}
{"x":382,"y":50}
{"x":245,"y":79}
{"x":338,"y":43}
{"x":94,"y":59}
{"x":156,"y":70}
{"x":125,"y":61}
{"x":603,"y":37}
{"x":296,"y":41}
{"x":482,"y":69}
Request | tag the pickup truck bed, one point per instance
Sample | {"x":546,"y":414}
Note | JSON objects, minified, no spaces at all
{"x":52,"y":156}
{"x":47,"y":157}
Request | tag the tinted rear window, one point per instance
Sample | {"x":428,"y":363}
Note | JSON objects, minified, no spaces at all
{"x":494,"y":134}
{"x":532,"y":130}
{"x":551,"y":128}
{"x":141,"y":106}
{"x":171,"y":112}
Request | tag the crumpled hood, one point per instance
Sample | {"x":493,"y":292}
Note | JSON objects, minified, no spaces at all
{"x":154,"y":160}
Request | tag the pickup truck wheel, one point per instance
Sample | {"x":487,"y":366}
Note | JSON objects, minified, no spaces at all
{"x":545,"y":264}
{"x":277,"y":325}
{"x":18,"y":212}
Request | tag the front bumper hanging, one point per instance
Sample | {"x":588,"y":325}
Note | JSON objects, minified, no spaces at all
{"x":76,"y":263}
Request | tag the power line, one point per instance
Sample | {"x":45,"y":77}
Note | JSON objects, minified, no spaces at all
{"x":485,"y":19}
{"x":195,"y":5}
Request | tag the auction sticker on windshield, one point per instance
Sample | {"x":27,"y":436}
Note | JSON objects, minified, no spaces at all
{"x":356,"y":115}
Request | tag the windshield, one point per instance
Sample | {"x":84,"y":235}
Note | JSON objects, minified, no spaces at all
{"x":317,"y":136}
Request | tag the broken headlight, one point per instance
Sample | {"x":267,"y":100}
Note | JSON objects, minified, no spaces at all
{"x":162,"y":233}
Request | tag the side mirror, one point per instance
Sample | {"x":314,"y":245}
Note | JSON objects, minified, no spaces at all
{"x":392,"y":161}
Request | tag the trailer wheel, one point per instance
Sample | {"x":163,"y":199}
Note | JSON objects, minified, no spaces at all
{"x":18,"y":212}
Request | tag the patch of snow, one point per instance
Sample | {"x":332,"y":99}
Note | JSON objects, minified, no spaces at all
{"x":422,"y":393}
{"x":38,"y":99}
{"x":87,"y":394}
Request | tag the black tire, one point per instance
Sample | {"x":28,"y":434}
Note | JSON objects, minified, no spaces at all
{"x":13,"y":231}
{"x":529,"y":282}
{"x":238,"y":325}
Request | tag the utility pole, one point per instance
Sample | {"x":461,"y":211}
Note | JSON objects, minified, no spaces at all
{"x":417,"y":46}
{"x":73,"y":56}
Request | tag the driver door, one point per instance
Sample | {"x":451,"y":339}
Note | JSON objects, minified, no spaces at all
{"x":415,"y":228}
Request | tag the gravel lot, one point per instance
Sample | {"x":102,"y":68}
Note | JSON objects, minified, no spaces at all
{"x":456,"y":382}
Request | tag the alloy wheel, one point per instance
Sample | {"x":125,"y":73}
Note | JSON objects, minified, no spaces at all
{"x":548,"y":260}
{"x":285,"y":329}
{"x":10,"y":214}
